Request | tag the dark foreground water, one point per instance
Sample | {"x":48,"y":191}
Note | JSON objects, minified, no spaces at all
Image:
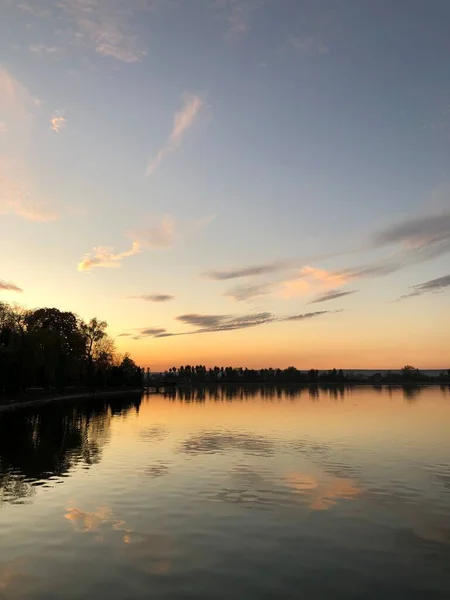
{"x":231,"y":494}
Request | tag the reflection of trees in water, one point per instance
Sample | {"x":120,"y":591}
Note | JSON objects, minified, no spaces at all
{"x":411,"y":393}
{"x":269,"y":393}
{"x":48,"y":441}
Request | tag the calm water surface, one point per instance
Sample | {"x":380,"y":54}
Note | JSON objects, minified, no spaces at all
{"x":229,"y":494}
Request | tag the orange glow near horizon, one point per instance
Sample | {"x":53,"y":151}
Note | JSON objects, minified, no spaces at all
{"x":358,"y":345}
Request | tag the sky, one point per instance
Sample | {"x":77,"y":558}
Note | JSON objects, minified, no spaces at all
{"x":232,"y":182}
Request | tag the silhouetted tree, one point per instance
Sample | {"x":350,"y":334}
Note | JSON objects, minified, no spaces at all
{"x":49,"y":348}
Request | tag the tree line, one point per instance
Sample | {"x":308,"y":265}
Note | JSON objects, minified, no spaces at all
{"x":292,"y":375}
{"x":49,"y":348}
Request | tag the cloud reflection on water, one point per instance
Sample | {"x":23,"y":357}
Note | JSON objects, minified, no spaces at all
{"x":213,"y":442}
{"x":322,"y":495}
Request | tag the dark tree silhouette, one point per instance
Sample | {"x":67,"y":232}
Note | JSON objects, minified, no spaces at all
{"x":52,"y":349}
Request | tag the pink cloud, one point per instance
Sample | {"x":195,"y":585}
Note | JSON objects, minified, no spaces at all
{"x":312,"y":279}
{"x":105,"y":257}
{"x":58,"y":121}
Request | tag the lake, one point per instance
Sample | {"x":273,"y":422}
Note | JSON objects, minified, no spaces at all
{"x":240,"y":493}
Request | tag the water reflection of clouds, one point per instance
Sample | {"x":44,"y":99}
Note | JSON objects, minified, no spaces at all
{"x":216,"y":442}
{"x":15,"y":580}
{"x":325,"y":493}
{"x":92,"y":521}
{"x":154,"y":552}
{"x":249,"y":488}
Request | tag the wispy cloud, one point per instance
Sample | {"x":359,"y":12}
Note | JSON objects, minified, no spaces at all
{"x":149,"y":332}
{"x":106,"y":26}
{"x":154,"y":297}
{"x":106,"y":258}
{"x":416,"y":232}
{"x":159,"y":234}
{"x":7,"y":286}
{"x":42,"y":50}
{"x":294,"y":288}
{"x":182,"y":121}
{"x":218,"y":323}
{"x":304,"y":316}
{"x":245,"y":292}
{"x":332,"y":295}
{"x":3,"y":127}
{"x":237,"y":16}
{"x":58,"y":121}
{"x":309,"y":278}
{"x":431,"y":286}
{"x":249,"y":271}
{"x":412,"y":241}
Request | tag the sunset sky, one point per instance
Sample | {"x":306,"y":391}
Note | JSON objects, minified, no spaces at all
{"x":242,"y":182}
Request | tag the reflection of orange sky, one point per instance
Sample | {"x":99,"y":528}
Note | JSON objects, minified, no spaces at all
{"x":11,"y":573}
{"x":363,"y":415}
{"x":322,"y":495}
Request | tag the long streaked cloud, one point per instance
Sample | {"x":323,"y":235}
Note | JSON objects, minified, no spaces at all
{"x":417,"y":231}
{"x":244,"y":292}
{"x":182,"y":121}
{"x":432,"y":286}
{"x":332,"y":295}
{"x":202,"y":323}
{"x":411,"y":242}
{"x":151,"y":331}
{"x":300,"y":282}
{"x":304,"y":316}
{"x":58,"y":121}
{"x":249,"y":271}
{"x":8,"y":286}
{"x":154,"y":297}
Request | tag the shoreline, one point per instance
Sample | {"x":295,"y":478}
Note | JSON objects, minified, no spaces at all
{"x":28,"y":402}
{"x":91,"y":395}
{"x":305,"y":384}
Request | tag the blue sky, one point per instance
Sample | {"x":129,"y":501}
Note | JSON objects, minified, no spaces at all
{"x":310,"y":140}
